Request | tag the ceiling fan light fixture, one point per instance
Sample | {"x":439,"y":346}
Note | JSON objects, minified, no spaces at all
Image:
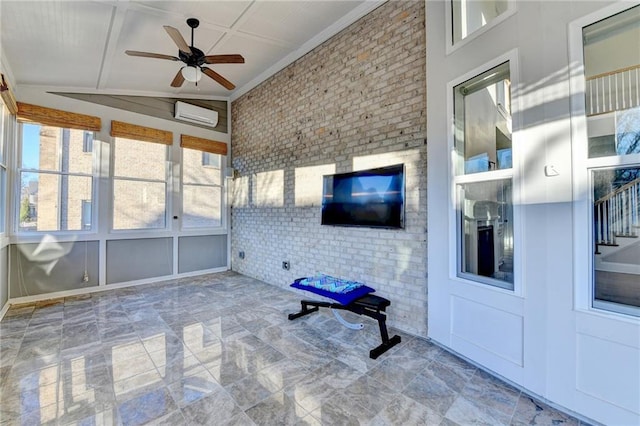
{"x":191,"y":73}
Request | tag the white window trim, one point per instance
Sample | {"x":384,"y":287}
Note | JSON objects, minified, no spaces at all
{"x":582,"y":166}
{"x":168,"y":223}
{"x":25,"y":236}
{"x":514,"y":173}
{"x":4,"y":137}
{"x":452,"y":47}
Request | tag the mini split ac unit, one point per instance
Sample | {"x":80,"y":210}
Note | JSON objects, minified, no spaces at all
{"x":196,"y":114}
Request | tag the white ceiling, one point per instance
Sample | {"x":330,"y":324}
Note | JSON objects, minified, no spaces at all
{"x":79,"y":45}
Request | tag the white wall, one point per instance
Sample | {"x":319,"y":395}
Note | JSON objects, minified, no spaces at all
{"x":536,"y":336}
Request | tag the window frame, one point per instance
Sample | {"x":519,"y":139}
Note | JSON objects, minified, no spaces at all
{"x":583,"y":166}
{"x":514,"y":173}
{"x":222,"y":186}
{"x":168,"y":179}
{"x":452,"y":46}
{"x":20,"y":233}
{"x":4,"y":199}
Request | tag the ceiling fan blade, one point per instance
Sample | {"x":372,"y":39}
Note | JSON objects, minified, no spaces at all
{"x":178,"y":79}
{"x":224,"y":59}
{"x":151,"y":55}
{"x":217,"y":77}
{"x":178,"y":39}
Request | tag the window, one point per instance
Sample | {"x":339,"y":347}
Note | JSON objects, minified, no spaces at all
{"x":201,"y":189}
{"x":470,"y":16}
{"x":54,"y":176}
{"x":87,"y":143}
{"x":4,"y":121}
{"x":484,"y":178}
{"x":611,"y":49}
{"x":139,"y":184}
{"x":211,"y":160}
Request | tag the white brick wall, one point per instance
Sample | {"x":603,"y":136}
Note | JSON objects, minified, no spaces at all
{"x":357,"y":101}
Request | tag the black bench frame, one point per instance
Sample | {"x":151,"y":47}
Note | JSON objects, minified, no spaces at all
{"x":370,"y":305}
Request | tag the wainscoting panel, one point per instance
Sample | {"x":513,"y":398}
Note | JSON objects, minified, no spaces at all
{"x":130,"y":260}
{"x":493,"y":331}
{"x":202,"y":252}
{"x":51,"y":266}
{"x":599,"y":373}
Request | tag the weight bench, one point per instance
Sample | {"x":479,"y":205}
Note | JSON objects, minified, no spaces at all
{"x":359,"y":301}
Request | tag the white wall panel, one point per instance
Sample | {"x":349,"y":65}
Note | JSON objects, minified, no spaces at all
{"x":489,"y":329}
{"x":616,"y":382}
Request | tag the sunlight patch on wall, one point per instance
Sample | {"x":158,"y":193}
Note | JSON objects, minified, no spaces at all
{"x":241,"y":191}
{"x":308,"y":184}
{"x":269,"y":189}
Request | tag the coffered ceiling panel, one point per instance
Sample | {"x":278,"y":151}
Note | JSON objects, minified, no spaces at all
{"x":55,"y":42}
{"x":79,"y":45}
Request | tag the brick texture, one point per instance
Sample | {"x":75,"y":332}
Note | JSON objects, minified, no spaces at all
{"x":355,"y":102}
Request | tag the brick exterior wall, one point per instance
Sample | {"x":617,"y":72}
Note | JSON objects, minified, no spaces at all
{"x":355,"y":102}
{"x":59,"y":199}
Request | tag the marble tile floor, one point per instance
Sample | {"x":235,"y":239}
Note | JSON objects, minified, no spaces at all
{"x":219,"y":350}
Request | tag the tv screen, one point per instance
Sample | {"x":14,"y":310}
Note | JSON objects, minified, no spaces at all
{"x":373,"y":198}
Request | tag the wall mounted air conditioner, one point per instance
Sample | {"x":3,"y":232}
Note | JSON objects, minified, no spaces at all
{"x":196,"y":114}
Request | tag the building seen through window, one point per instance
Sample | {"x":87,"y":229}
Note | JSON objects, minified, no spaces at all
{"x":56,"y":179}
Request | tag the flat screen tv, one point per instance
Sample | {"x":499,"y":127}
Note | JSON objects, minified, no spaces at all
{"x":371,"y":198}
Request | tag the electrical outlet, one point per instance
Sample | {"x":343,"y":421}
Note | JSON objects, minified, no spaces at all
{"x":241,"y":254}
{"x":286,"y":265}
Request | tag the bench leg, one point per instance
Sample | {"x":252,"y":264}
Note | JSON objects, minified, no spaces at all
{"x":383,"y":347}
{"x":384,"y":335}
{"x":306,"y":310}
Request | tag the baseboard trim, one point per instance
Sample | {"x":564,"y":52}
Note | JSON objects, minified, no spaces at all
{"x":96,"y":289}
{"x":4,"y":309}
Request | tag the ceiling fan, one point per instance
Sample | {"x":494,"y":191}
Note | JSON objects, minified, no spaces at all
{"x":193,"y":57}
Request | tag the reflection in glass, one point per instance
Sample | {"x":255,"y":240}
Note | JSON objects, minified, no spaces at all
{"x":616,"y":222}
{"x":612,"y":84}
{"x":482,"y":108}
{"x":486,"y":238}
{"x":471,"y":15}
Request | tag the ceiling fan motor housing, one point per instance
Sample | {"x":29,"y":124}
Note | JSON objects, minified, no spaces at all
{"x":195,"y":59}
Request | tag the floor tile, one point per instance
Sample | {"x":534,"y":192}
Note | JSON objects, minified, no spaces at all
{"x":219,"y":349}
{"x":277,"y":409}
{"x":217,"y":408}
{"x":531,"y":412}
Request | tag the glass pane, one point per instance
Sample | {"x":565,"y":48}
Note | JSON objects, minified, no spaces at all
{"x":482,"y":113}
{"x":41,"y":147}
{"x":77,"y":160}
{"x":201,"y":206}
{"x":52,"y":202}
{"x":616,"y":216}
{"x":138,"y":205}
{"x":141,"y":160}
{"x":196,"y":167}
{"x":612,"y":90}
{"x":486,"y":231}
{"x":471,"y":15}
